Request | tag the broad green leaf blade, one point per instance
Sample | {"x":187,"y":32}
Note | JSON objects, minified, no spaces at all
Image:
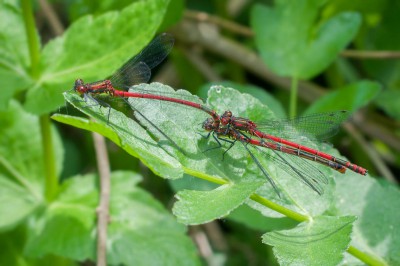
{"x":12,"y":251}
{"x":140,"y":229}
{"x":22,"y":165}
{"x":92,"y":49}
{"x":182,"y":124}
{"x":173,"y":14}
{"x":293,"y":43}
{"x":14,"y":57}
{"x":319,"y":242}
{"x":124,"y":132}
{"x":263,"y":96}
{"x":197,"y":207}
{"x":68,"y":226}
{"x":376,"y":231}
{"x":201,"y":157}
{"x":18,"y":201}
{"x":143,"y":232}
{"x":350,"y":98}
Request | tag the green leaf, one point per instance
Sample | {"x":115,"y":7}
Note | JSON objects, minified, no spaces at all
{"x":351,"y":97}
{"x":292,"y":42}
{"x":82,"y":8}
{"x":197,"y":207}
{"x":144,"y":233}
{"x":21,"y":164}
{"x":321,"y":241}
{"x":182,"y":125}
{"x":376,"y":231}
{"x":140,"y":232}
{"x":14,"y":57}
{"x":257,"y":92}
{"x":92,"y":49}
{"x":20,"y":203}
{"x":12,"y":251}
{"x":173,"y":15}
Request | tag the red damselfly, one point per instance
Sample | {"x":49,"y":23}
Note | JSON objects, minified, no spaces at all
{"x":321,"y":126}
{"x":281,"y":135}
{"x":138,"y":70}
{"x":232,"y":129}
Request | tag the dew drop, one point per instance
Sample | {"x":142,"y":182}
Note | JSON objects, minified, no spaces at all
{"x":217,"y":88}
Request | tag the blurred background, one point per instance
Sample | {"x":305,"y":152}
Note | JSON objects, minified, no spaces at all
{"x":297,"y":58}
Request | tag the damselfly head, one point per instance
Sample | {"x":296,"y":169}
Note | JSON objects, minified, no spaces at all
{"x":226,"y":117}
{"x":208,"y":124}
{"x":79,"y":86}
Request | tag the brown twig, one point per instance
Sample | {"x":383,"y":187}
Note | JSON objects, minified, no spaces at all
{"x":54,"y":22}
{"x":247,"y":32}
{"x":376,"y":130}
{"x":375,"y":158}
{"x":223,"y":23}
{"x":103,"y":208}
{"x":235,"y":7}
{"x":201,"y":65}
{"x":216,"y":236}
{"x":188,"y":32}
{"x":371,"y":54}
{"x":202,"y":243}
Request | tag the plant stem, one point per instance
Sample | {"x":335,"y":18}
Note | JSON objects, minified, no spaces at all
{"x":293,"y":97}
{"x":51,"y":186}
{"x":32,"y":37}
{"x":278,"y":208}
{"x":103,"y":166}
{"x":368,"y":259}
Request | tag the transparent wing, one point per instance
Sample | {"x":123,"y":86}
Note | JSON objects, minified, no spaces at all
{"x":138,"y":68}
{"x":299,"y":168}
{"x":135,"y":74}
{"x":316,"y":126}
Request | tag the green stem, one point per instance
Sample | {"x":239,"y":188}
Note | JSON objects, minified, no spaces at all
{"x":51,"y":186}
{"x":32,"y":37}
{"x":368,"y":259}
{"x":293,"y":97}
{"x":209,"y":178}
{"x":278,"y":208}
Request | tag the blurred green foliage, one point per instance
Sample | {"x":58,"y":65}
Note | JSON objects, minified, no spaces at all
{"x":324,"y":52}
